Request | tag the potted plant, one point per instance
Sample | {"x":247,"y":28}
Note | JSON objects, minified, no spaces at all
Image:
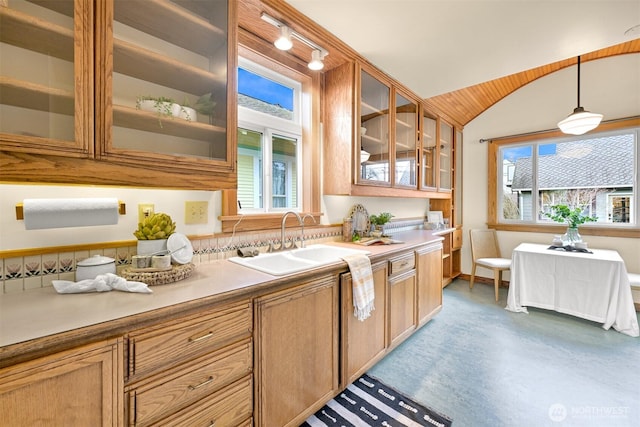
{"x":165,"y":107}
{"x":205,"y":105}
{"x":152,"y":233}
{"x":378,"y":222}
{"x":573,"y":218}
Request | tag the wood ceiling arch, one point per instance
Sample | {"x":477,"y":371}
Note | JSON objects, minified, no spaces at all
{"x":464,"y":105}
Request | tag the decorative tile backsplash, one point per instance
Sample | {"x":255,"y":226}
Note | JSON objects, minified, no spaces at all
{"x":37,"y":271}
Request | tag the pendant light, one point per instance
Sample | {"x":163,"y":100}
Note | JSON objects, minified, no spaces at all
{"x":580,"y":121}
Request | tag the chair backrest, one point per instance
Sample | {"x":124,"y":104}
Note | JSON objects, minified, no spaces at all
{"x":484,"y":244}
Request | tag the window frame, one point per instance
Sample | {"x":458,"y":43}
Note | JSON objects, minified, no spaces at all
{"x":263,"y":53}
{"x":495,"y":182}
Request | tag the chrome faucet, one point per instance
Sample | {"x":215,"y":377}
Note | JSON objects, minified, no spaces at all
{"x":283,"y":224}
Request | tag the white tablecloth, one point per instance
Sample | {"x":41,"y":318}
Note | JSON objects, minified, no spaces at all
{"x":592,"y":286}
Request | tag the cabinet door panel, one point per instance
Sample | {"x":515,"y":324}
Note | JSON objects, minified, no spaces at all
{"x":166,"y":87}
{"x":374,"y":130}
{"x":429,"y":268}
{"x":405,"y":143}
{"x":402,"y":306}
{"x":82,"y":387}
{"x":297,"y":352}
{"x":364,"y":342}
{"x":45,"y":88}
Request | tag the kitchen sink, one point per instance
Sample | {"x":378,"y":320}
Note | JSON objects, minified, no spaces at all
{"x":297,"y":260}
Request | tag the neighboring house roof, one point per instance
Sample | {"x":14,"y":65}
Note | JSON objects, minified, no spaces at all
{"x":264,"y":107}
{"x":599,"y":162}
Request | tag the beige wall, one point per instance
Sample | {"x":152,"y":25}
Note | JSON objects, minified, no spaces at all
{"x":609,"y":86}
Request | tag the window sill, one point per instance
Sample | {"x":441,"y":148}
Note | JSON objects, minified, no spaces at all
{"x":560,"y":229}
{"x":257,"y":222}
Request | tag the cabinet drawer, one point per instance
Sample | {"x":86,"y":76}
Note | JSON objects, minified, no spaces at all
{"x":457,"y":239}
{"x":231,"y":406}
{"x":152,"y":348}
{"x":169,"y":392}
{"x":402,"y":263}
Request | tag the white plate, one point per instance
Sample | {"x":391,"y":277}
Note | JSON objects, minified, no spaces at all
{"x":179,"y":243}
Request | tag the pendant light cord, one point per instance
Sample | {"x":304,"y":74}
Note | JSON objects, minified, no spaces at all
{"x":578,"y":81}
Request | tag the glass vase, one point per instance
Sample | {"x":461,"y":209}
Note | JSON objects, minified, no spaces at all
{"x":571,"y":237}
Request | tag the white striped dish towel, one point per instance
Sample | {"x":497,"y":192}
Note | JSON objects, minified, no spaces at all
{"x":362,"y":281}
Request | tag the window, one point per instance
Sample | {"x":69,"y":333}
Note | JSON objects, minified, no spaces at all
{"x":269,"y":140}
{"x":596,"y":172}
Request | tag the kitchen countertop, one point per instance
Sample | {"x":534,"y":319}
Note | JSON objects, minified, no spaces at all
{"x":38,"y":313}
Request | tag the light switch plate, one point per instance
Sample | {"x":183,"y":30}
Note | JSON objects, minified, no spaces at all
{"x":145,"y":210}
{"x":196,"y":212}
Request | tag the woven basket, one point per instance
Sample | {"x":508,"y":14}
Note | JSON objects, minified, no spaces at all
{"x":177,"y":272}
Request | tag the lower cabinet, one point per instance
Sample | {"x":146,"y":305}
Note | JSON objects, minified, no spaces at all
{"x":192,"y":371}
{"x":296,"y":351}
{"x":402,"y":297}
{"x":80,"y":387}
{"x":429,"y":274}
{"x":364,"y":342}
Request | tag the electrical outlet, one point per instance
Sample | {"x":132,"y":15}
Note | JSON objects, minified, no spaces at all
{"x":196,"y":212}
{"x":145,"y":210}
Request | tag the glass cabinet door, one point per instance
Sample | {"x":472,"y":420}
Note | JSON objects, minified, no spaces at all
{"x":406,"y":119}
{"x":45,"y":81}
{"x":429,"y":151}
{"x":168,"y":82}
{"x":375,"y":161}
{"x":445,"y":154}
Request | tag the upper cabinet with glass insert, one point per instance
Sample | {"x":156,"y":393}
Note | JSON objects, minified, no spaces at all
{"x":406,"y":141}
{"x":46,"y":87}
{"x":371,"y":142}
{"x":166,"y":82}
{"x":137,"y":92}
{"x":375,"y":97}
{"x":445,"y":155}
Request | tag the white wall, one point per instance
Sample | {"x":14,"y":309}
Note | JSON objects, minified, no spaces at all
{"x":609,"y":86}
{"x":14,"y":236}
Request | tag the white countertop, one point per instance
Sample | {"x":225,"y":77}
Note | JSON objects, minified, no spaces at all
{"x":38,"y":313}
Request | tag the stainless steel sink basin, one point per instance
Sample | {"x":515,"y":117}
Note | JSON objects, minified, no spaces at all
{"x":297,"y":260}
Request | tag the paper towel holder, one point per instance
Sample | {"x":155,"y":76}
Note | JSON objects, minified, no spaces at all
{"x":122,"y":209}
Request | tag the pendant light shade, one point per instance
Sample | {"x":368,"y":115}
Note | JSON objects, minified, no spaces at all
{"x":580,"y":121}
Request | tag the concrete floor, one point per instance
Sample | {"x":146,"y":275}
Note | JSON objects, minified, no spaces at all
{"x":482,"y":365}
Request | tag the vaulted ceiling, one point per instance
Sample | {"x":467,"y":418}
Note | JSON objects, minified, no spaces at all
{"x":462,"y":56}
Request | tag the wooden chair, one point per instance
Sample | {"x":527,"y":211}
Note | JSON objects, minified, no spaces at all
{"x":485,"y":252}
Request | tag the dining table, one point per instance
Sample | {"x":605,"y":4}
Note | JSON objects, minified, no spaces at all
{"x":591,"y":283}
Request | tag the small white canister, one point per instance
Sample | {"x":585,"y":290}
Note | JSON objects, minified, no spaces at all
{"x":161,"y":261}
{"x":93,"y":266}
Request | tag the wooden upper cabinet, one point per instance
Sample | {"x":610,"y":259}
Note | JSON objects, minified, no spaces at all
{"x":375,"y":120}
{"x":176,"y":53}
{"x":429,"y":150}
{"x":379,"y":140}
{"x":406,"y":142}
{"x":74,"y":74}
{"x":46,"y":80}
{"x":445,"y":157}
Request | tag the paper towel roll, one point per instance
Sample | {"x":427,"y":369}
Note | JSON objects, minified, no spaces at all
{"x":58,"y":213}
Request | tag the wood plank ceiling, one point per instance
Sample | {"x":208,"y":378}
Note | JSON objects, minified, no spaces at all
{"x":465,"y":104}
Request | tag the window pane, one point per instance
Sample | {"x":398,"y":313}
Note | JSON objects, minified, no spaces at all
{"x":250,"y":169}
{"x":264,"y":95}
{"x":284,"y":172}
{"x":517,"y":182}
{"x":588,"y":174}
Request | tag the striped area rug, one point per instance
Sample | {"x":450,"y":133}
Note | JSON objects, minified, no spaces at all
{"x":368,"y":402}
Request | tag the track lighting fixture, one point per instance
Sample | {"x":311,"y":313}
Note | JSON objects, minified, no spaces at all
{"x":316,"y":60}
{"x":285,"y":42}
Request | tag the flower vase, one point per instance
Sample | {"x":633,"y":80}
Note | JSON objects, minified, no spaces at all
{"x":571,"y":237}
